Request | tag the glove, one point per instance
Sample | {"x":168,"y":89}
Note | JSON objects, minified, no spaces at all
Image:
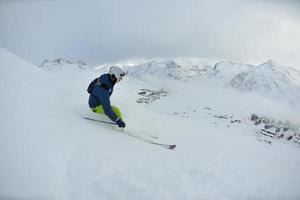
{"x":120,"y":123}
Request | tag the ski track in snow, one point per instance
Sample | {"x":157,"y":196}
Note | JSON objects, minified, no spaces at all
{"x":47,"y":151}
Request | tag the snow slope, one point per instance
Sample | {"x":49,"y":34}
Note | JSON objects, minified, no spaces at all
{"x":47,"y":151}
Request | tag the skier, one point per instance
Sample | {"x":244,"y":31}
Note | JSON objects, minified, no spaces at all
{"x":100,"y":91}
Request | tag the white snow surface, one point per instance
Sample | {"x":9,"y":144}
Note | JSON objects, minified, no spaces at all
{"x":48,"y":151}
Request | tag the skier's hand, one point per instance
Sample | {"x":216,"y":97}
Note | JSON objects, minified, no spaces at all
{"x":120,"y":123}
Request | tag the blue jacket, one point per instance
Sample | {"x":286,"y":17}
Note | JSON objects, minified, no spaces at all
{"x":100,"y":96}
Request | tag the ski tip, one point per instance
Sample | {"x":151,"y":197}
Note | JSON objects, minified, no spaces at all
{"x":172,"y":146}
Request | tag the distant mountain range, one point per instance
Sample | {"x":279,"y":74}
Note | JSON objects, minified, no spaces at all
{"x":65,"y":68}
{"x":268,"y":79}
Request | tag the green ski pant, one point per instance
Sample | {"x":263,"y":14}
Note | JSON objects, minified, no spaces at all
{"x":99,"y":109}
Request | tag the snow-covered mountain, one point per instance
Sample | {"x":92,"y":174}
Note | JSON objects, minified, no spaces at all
{"x":177,"y":69}
{"x":168,"y":69}
{"x":66,"y":68}
{"x":268,"y":79}
{"x":48,"y":151}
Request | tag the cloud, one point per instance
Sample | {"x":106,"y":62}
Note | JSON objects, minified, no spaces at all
{"x":100,"y":31}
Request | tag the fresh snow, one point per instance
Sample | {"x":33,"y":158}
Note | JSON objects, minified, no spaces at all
{"x":48,"y":151}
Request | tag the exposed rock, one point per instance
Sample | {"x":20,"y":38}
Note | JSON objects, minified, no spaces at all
{"x":271,"y":128}
{"x":149,"y":96}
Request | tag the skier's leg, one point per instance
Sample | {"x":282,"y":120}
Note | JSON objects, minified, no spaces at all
{"x":98,"y":109}
{"x":117,"y":111}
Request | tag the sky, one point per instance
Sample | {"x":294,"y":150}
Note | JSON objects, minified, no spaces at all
{"x":99,"y":31}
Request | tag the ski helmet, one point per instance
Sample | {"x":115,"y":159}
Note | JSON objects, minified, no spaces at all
{"x":117,"y":72}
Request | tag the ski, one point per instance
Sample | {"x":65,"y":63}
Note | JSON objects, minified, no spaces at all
{"x":166,"y":146}
{"x":101,"y":121}
{"x":113,"y":123}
